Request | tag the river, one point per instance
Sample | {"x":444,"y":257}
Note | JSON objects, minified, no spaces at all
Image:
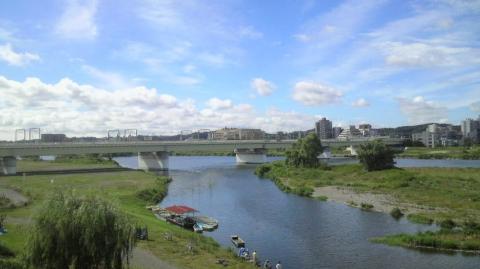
{"x":300,"y":232}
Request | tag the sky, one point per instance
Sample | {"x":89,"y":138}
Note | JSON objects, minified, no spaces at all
{"x":165,"y":66}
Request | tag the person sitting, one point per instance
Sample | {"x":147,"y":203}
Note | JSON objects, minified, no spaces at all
{"x":279,"y":265}
{"x":267,"y":265}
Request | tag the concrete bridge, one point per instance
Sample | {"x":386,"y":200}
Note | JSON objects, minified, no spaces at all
{"x":153,"y":155}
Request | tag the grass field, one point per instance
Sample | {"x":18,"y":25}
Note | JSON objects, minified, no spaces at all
{"x":472,"y":153}
{"x":120,"y":188}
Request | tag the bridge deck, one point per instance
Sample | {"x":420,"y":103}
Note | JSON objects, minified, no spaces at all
{"x":39,"y":149}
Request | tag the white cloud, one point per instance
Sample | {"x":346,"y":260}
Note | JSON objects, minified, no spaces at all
{"x":311,"y":93}
{"x":78,"y":20}
{"x":80,"y":110}
{"x":109,"y":80}
{"x":217,"y":104}
{"x":426,"y":55}
{"x":475,"y":106}
{"x":262,"y":86}
{"x":250,"y":32}
{"x":8,"y":55}
{"x":418,"y":110}
{"x":360,"y":102}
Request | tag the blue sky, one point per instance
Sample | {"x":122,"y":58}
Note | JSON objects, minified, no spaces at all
{"x":82,"y":67}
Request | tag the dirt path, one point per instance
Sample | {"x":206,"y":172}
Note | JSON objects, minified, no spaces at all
{"x":146,"y":260}
{"x":381,"y":202}
{"x":14,"y":196}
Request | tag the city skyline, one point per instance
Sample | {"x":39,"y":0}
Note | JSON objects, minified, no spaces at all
{"x":79,"y":68}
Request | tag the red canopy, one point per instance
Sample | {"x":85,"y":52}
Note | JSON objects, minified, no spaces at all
{"x":180,"y":209}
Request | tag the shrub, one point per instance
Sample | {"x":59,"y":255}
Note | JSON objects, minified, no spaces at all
{"x":5,"y":252}
{"x":11,"y":264}
{"x":157,"y":193}
{"x":322,"y":198}
{"x":447,"y":224}
{"x":366,"y":206}
{"x":262,"y":170}
{"x":419,"y":219}
{"x":303,"y":191}
{"x":396,"y":213}
{"x":376,"y":156}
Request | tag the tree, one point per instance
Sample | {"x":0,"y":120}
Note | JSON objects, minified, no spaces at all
{"x":79,"y":233}
{"x":376,"y":156}
{"x":304,"y":152}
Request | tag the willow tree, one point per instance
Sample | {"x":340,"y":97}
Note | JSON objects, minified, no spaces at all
{"x":304,"y":152}
{"x":79,"y":233}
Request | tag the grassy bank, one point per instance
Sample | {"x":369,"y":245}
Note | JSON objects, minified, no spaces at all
{"x":456,"y":190}
{"x":471,"y":153}
{"x":131,"y":191}
{"x":454,"y":193}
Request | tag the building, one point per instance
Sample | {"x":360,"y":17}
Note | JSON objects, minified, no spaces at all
{"x":436,"y":136}
{"x":336,"y":131}
{"x":349,"y":133}
{"x":365,"y":129}
{"x":471,"y":129}
{"x":53,"y":138}
{"x":323,"y":129}
{"x":237,"y":134}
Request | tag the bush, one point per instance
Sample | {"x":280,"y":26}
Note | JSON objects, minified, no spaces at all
{"x":376,"y":156}
{"x":5,"y":252}
{"x":447,"y":224}
{"x":262,"y":170}
{"x":157,"y":193}
{"x":396,"y":213}
{"x":366,"y":206}
{"x":11,"y":264}
{"x":322,"y":198}
{"x":419,"y":219}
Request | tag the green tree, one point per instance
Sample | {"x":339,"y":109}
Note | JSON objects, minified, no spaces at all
{"x":304,"y":152}
{"x":79,"y":233}
{"x":376,"y":156}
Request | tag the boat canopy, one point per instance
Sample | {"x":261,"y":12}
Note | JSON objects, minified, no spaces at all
{"x":180,"y":209}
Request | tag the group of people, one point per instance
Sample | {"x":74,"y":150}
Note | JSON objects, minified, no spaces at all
{"x":268,"y":265}
{"x":244,"y":253}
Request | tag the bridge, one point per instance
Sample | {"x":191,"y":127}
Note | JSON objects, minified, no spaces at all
{"x":153,"y":155}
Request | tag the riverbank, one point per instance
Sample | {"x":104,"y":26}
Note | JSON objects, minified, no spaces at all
{"x":129,"y":190}
{"x":424,"y":195}
{"x":464,"y":153}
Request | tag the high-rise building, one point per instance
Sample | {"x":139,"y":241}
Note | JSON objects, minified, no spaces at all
{"x":471,"y":129}
{"x":323,"y":129}
{"x":336,"y":131}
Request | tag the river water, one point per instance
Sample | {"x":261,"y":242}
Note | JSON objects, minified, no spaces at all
{"x":299,"y":232}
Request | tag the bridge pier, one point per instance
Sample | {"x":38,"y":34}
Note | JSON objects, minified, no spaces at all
{"x":8,"y":165}
{"x":153,"y":161}
{"x":250,"y":156}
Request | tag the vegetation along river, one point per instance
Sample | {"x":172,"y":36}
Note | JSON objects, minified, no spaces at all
{"x":298,"y":231}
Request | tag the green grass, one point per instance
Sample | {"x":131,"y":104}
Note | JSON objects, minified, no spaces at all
{"x":443,"y":239}
{"x":455,"y":192}
{"x":122,"y":189}
{"x":472,"y":153}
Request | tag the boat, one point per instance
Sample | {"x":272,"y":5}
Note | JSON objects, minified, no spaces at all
{"x":197,"y":228}
{"x":185,"y":222}
{"x":208,"y":223}
{"x":237,"y":241}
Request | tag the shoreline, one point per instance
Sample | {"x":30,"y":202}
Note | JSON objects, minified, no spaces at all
{"x":383,"y":203}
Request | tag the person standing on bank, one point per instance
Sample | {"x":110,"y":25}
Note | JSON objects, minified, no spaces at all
{"x":279,"y":265}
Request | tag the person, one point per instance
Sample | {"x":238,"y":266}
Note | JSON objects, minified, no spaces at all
{"x":267,"y":265}
{"x":254,"y":257}
{"x":279,"y":265}
{"x":240,"y":251}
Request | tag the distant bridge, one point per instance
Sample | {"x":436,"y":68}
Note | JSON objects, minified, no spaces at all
{"x":153,"y":155}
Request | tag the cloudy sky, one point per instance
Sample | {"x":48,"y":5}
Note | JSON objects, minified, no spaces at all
{"x":162,"y":66}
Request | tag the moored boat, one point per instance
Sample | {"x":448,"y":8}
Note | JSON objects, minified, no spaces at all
{"x":237,"y":241}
